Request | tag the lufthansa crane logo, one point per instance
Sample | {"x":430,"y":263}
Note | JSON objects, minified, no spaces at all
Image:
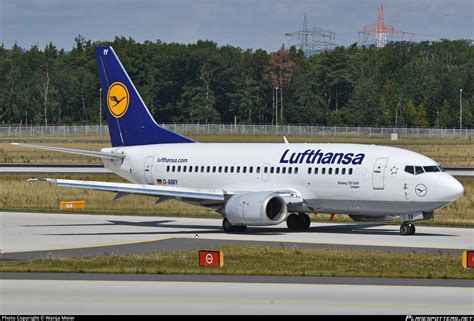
{"x":118,"y":99}
{"x":421,"y":190}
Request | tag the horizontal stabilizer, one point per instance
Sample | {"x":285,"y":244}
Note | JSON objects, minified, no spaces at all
{"x":73,"y":151}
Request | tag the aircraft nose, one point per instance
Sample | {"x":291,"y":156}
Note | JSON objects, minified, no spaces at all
{"x":449,"y":189}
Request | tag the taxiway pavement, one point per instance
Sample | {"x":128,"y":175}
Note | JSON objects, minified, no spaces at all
{"x":30,"y":232}
{"x":63,"y":297}
{"x":34,"y":235}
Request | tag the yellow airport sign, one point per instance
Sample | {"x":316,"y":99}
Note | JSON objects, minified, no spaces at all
{"x":72,"y":205}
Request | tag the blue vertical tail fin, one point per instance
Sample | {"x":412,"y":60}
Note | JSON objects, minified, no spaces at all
{"x":130,"y":122}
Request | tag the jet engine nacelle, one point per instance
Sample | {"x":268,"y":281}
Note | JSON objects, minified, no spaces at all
{"x":255,"y":209}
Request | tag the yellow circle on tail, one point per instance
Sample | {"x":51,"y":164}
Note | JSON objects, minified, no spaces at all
{"x":118,"y":99}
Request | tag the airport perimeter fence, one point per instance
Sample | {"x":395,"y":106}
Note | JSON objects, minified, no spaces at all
{"x":232,"y":129}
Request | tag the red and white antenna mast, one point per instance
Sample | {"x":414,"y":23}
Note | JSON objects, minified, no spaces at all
{"x":380,"y":30}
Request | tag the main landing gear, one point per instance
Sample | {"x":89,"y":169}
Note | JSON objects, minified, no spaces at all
{"x":299,"y":221}
{"x":229,"y":228}
{"x":407,"y":229}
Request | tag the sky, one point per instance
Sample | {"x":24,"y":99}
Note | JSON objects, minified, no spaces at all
{"x":248,"y":24}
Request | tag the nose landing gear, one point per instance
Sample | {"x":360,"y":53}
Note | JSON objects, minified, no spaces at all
{"x":407,"y":229}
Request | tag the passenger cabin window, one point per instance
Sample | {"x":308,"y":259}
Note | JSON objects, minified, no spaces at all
{"x":350,"y":171}
{"x":283,"y":170}
{"x":244,"y":169}
{"x":323,"y":170}
{"x":213,"y":169}
{"x":343,"y":172}
{"x":316,"y":170}
{"x":258,"y":170}
{"x":179,"y":169}
{"x":337,"y":171}
{"x":309,"y":170}
{"x":330,"y":171}
{"x":168,"y":168}
{"x":289,"y":170}
{"x":226,"y":168}
{"x":184,"y":169}
{"x":296,"y":170}
{"x":272,"y":170}
{"x":278,"y":170}
{"x":238,"y":169}
{"x":265,"y":170}
{"x":220,"y":169}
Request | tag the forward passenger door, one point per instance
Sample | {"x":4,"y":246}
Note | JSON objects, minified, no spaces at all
{"x":378,"y":174}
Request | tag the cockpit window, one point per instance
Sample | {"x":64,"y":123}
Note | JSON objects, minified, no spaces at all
{"x":441,"y":169}
{"x":431,"y":169}
{"x":409,"y":169}
{"x":416,"y":170}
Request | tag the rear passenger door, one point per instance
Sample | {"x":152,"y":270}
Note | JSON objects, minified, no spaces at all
{"x":149,"y":170}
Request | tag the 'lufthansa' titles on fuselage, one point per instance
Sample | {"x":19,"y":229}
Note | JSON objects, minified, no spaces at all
{"x":311,"y":156}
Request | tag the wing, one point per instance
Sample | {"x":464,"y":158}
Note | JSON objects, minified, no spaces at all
{"x":148,"y":190}
{"x":198,"y":195}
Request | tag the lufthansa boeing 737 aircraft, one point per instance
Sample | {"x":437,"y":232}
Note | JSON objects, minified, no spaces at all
{"x":259,"y":184}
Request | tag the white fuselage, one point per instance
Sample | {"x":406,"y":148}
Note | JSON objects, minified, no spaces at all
{"x":331,"y":178}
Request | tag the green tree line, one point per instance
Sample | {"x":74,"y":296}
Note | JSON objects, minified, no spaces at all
{"x":404,"y":84}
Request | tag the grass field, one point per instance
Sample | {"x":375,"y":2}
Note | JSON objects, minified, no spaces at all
{"x":258,"y":260}
{"x":448,"y":152}
{"x":19,"y":195}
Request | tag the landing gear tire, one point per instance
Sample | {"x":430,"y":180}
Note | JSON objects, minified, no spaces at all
{"x":292,"y":221}
{"x":404,"y":230}
{"x":305,"y":221}
{"x":240,"y":228}
{"x":412,"y":229}
{"x":298,"y":221}
{"x":407,"y":229}
{"x":229,"y":228}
